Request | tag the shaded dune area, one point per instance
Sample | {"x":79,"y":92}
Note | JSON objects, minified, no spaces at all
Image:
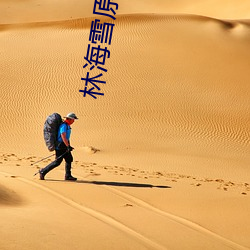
{"x":9,"y":197}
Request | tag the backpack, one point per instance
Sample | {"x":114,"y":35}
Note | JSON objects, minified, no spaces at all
{"x":50,"y":130}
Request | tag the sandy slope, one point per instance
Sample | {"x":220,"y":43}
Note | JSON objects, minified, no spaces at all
{"x":185,"y":107}
{"x":109,"y":208}
{"x":172,"y":129}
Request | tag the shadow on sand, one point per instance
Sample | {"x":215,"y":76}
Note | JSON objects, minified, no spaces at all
{"x":116,"y":184}
{"x":122,"y":184}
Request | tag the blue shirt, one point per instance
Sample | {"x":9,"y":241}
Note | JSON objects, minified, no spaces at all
{"x":64,"y":128}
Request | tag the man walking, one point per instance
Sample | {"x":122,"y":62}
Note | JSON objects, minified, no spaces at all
{"x":63,"y":150}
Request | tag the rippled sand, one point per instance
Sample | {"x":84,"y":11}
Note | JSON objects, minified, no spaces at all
{"x":162,"y":158}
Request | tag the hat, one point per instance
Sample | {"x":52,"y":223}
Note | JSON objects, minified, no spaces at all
{"x":71,"y":116}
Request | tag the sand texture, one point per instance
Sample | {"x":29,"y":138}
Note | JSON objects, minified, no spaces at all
{"x":162,"y":159}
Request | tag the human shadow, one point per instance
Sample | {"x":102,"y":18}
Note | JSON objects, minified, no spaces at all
{"x":122,"y":184}
{"x":113,"y":183}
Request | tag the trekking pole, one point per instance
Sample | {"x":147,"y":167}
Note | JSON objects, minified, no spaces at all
{"x":41,"y":159}
{"x":46,"y":158}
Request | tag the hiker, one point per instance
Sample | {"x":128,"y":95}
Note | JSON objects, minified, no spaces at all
{"x":63,"y":149}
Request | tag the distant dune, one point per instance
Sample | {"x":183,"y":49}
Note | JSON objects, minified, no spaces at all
{"x":14,"y":11}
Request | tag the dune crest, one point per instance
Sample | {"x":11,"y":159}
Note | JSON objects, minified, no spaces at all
{"x":85,"y":22}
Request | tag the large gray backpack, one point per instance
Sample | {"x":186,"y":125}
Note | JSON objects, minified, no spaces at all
{"x":50,"y":130}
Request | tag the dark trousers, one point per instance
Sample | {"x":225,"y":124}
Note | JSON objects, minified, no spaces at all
{"x":67,"y":156}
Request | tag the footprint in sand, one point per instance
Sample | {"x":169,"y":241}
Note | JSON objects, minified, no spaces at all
{"x":128,"y":205}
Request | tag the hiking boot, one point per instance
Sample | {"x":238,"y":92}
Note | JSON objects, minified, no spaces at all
{"x":70,"y":178}
{"x":41,"y":175}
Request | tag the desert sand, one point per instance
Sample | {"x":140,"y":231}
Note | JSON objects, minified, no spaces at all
{"x":162,"y":159}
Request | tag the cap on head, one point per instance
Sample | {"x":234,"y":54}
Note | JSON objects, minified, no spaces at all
{"x":71,"y":116}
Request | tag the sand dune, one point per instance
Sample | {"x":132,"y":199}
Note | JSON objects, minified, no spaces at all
{"x":38,"y":11}
{"x":195,"y":111}
{"x":162,"y":158}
